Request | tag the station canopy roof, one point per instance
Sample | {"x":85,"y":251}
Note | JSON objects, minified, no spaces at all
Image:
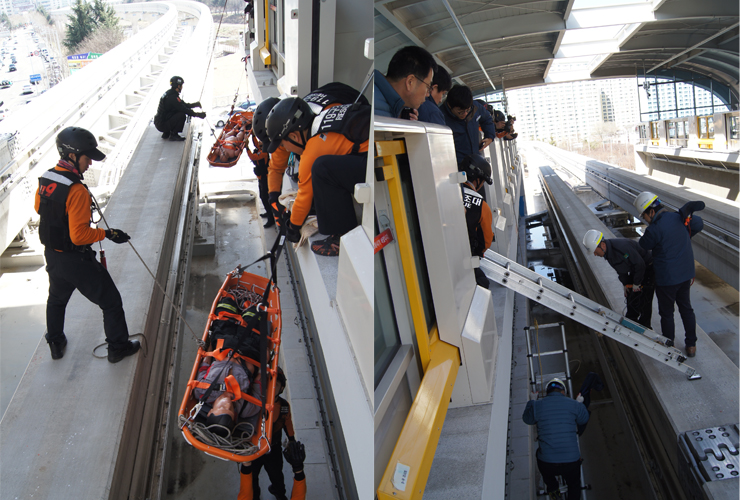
{"x":522,"y":43}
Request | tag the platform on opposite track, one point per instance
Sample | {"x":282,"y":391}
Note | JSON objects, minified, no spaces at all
{"x":71,"y":420}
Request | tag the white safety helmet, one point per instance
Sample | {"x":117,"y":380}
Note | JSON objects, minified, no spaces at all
{"x":555,"y":384}
{"x":644,"y":200}
{"x":592,"y":239}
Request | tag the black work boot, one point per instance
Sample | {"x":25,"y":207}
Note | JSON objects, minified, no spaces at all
{"x":114,"y":356}
{"x":57,"y":348}
{"x":279,"y":496}
{"x":175,"y":137}
{"x":165,"y":135}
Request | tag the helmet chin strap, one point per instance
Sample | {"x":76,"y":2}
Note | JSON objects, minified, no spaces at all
{"x":294,"y":143}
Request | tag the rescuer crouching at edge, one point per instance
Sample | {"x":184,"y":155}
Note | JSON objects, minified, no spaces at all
{"x":478,"y":216}
{"x":669,"y":235}
{"x":634,"y":266}
{"x":333,"y":148}
{"x":294,"y":454}
{"x":172,"y":110}
{"x":65,"y":207}
{"x":325,"y":97}
{"x":558,"y":418}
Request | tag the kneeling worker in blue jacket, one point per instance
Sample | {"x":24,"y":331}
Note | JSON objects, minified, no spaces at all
{"x":558,"y":418}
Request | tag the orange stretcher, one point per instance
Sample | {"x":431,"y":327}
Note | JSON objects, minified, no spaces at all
{"x":235,"y":120}
{"x":261,"y":437}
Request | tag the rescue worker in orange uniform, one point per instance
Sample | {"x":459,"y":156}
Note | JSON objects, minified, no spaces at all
{"x":325,"y":97}
{"x":478,"y":216}
{"x":261,"y":159}
{"x":273,"y":461}
{"x":294,"y":454}
{"x":65,"y":207}
{"x":333,"y":148}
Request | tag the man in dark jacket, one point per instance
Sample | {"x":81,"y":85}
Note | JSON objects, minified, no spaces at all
{"x":171,"y":112}
{"x":406,"y":83}
{"x":429,"y":111}
{"x":634,"y":266}
{"x":557,"y":418}
{"x":669,"y":235}
{"x":464,"y":117}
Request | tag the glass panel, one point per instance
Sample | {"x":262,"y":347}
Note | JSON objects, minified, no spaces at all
{"x":710,"y":124}
{"x":735,"y":127}
{"x":702,"y":128}
{"x":672,"y":130}
{"x":416,"y":243}
{"x":387,"y":340}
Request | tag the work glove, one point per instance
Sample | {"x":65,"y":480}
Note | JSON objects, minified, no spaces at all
{"x":295,"y":454}
{"x":636,"y":288}
{"x":278,"y":210}
{"x":294,"y":233}
{"x":202,"y":114}
{"x":197,"y":105}
{"x":580,"y":398}
{"x":117,"y":236}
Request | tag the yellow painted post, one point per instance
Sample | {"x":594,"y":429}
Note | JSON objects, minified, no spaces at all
{"x":265,"y":49}
{"x":414,"y":452}
{"x":387,"y":151}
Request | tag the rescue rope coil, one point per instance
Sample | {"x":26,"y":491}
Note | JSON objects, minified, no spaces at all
{"x":237,"y":441}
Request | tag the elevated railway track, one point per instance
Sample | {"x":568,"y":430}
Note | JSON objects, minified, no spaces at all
{"x":660,"y":408}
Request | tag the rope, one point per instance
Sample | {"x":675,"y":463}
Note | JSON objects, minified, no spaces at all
{"x":143,"y":346}
{"x":215,"y":38}
{"x":237,"y":441}
{"x":177,"y":309}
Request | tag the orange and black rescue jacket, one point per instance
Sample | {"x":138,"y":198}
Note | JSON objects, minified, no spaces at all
{"x":65,"y":207}
{"x":478,"y":218}
{"x":323,"y":98}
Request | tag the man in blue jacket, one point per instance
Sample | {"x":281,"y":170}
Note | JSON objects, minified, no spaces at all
{"x":669,"y":235}
{"x":429,"y":111}
{"x":557,"y":418}
{"x":406,"y":83}
{"x":465,"y":117}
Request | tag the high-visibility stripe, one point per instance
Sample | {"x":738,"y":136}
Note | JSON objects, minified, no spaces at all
{"x":53,"y":176}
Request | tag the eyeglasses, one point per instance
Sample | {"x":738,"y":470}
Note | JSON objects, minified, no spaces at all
{"x":429,"y":87}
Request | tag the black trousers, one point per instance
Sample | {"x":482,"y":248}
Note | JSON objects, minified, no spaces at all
{"x":640,"y":304}
{"x":570,"y":472}
{"x":273,"y":463}
{"x":260,"y":170}
{"x":480,"y":277}
{"x":174,"y":124}
{"x":334,"y":178}
{"x":680,"y":295}
{"x":70,"y":271}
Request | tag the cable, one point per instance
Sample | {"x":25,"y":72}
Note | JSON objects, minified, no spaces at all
{"x":215,"y":38}
{"x":237,"y":441}
{"x":200,"y":342}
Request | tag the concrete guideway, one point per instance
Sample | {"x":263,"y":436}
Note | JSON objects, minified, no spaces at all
{"x":660,"y":407}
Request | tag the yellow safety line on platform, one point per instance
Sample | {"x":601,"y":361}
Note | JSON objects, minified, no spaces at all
{"x":387,"y":151}
{"x":265,"y":49}
{"x":415,"y":448}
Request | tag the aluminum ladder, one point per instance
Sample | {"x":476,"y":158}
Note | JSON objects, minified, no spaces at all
{"x":585,"y":311}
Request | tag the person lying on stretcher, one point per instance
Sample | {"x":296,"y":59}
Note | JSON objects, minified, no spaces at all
{"x":225,"y":412}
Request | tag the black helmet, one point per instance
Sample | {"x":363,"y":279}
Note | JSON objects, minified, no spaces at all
{"x":281,"y":378}
{"x":289,"y":115}
{"x":80,"y":142}
{"x":477,"y":167}
{"x":498,"y":116}
{"x":259,"y":120}
{"x":176,"y":80}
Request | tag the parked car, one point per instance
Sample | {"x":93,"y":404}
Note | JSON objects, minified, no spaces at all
{"x":5,"y":84}
{"x":27,"y":89}
{"x":12,"y":67}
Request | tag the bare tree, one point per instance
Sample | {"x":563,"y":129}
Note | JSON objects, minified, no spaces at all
{"x":101,"y":41}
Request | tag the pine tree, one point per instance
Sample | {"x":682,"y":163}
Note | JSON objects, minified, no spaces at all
{"x":104,"y":15}
{"x":81,"y":24}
